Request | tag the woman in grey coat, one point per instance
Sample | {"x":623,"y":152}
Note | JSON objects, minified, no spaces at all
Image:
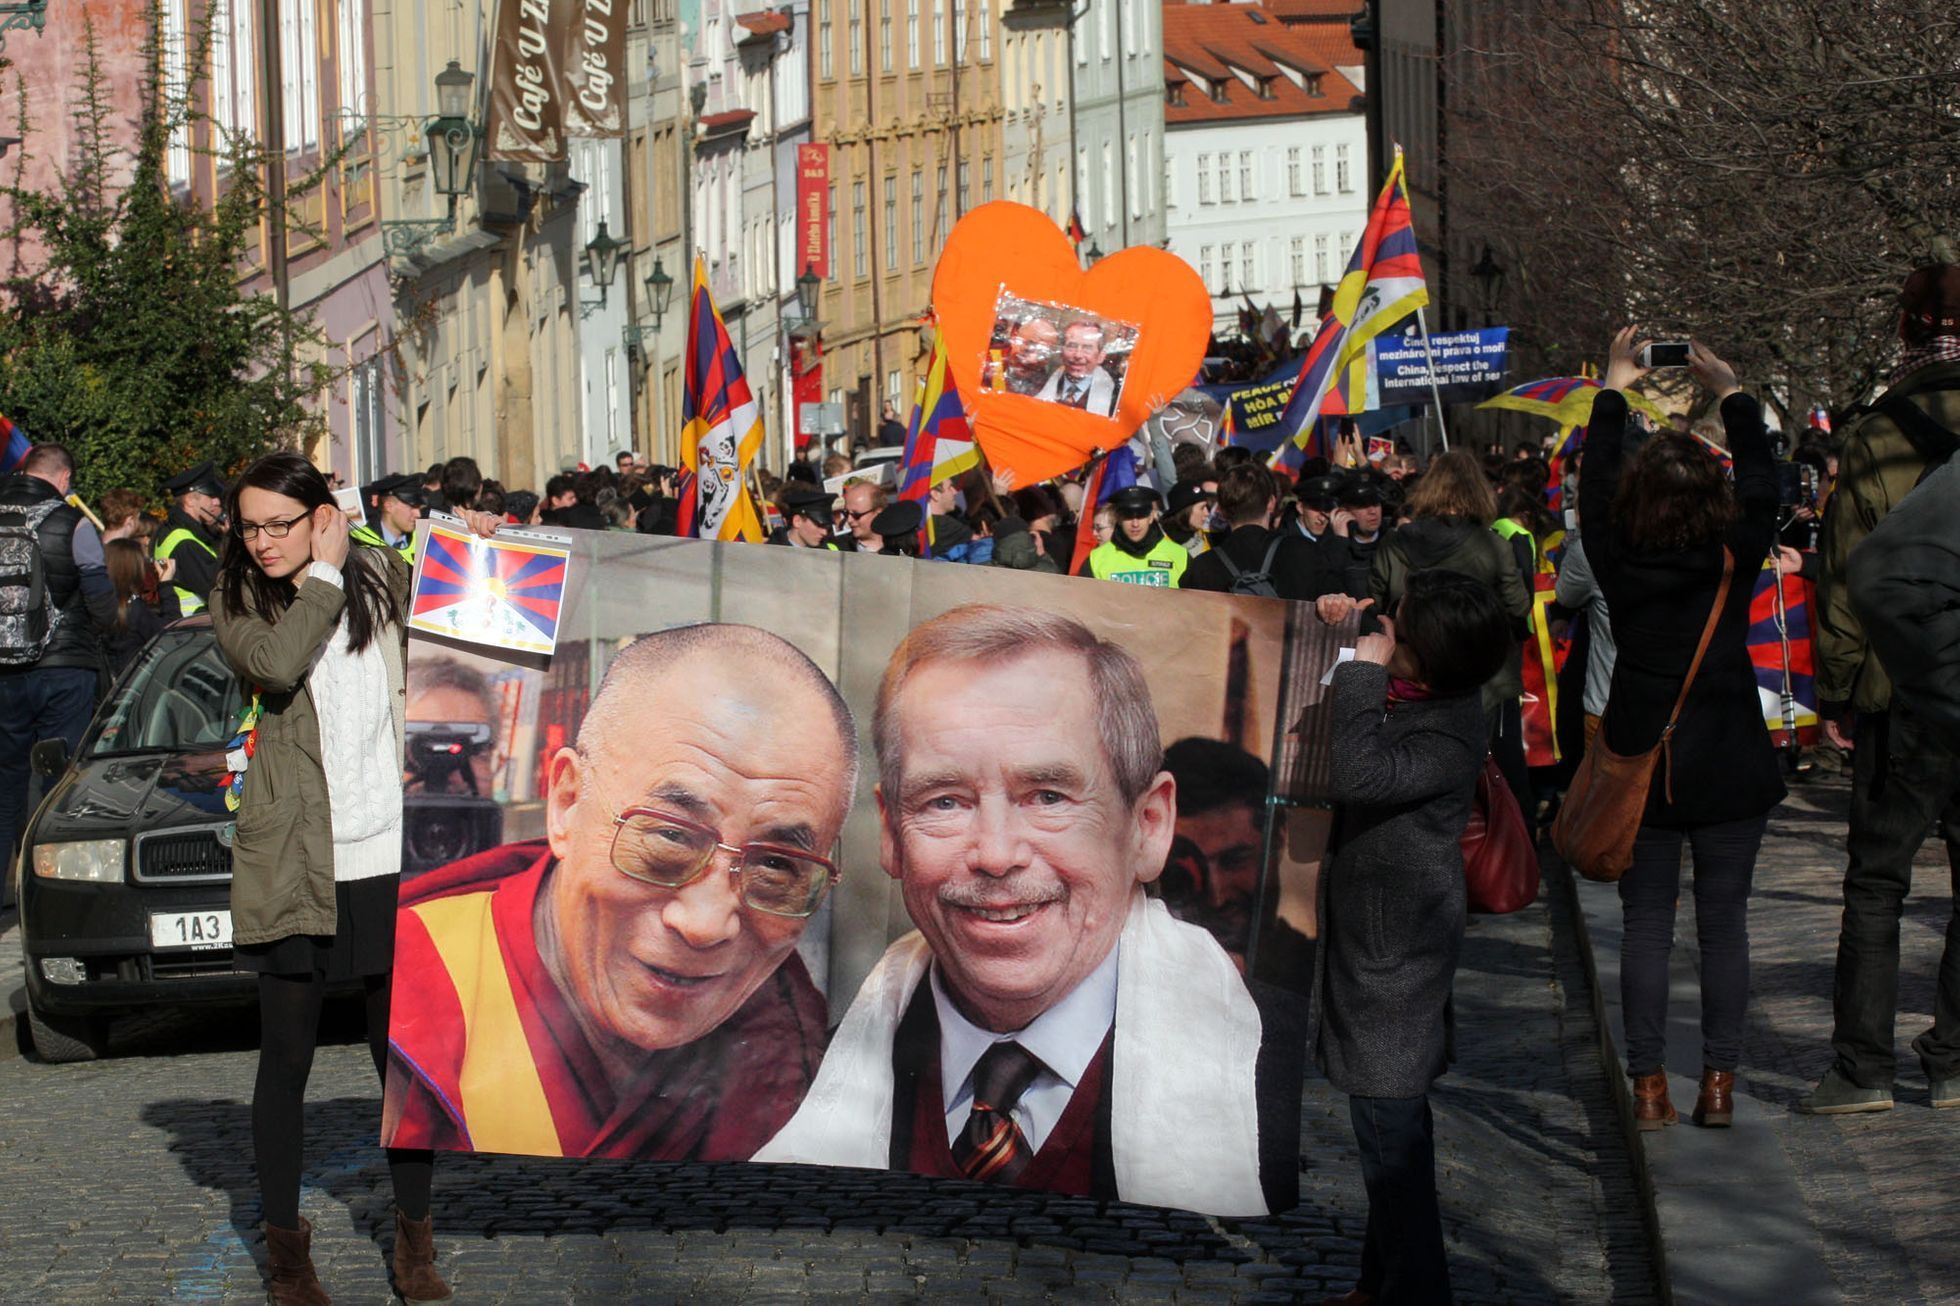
{"x":1409,"y":738}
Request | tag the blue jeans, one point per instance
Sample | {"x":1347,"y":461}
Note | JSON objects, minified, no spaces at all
{"x":1725,"y":867}
{"x":50,"y":703}
{"x":1402,"y":1260}
{"x":1905,"y":782}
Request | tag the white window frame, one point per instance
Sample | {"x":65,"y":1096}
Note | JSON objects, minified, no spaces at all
{"x":912,"y":34}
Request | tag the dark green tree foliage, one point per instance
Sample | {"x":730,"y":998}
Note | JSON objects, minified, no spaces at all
{"x":129,"y":339}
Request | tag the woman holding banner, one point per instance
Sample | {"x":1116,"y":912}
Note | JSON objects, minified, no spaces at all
{"x":316,"y":630}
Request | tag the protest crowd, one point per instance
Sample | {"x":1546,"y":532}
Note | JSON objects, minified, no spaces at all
{"x":1614,"y":568}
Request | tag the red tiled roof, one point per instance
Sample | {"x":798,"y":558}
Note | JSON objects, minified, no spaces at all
{"x":764,"y":22}
{"x":1292,"y":11}
{"x":1209,"y":39}
{"x":1330,"y":44}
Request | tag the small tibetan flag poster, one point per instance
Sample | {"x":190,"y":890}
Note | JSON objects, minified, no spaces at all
{"x":503,"y":592}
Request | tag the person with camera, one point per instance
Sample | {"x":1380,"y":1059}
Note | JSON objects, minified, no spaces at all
{"x":314,"y":626}
{"x":1669,"y":541}
{"x":1904,"y":780}
{"x":1407,"y":727}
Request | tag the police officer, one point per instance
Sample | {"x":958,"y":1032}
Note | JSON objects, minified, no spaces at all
{"x":1139,"y":553}
{"x":394,"y":506}
{"x":1362,"y":500}
{"x":807,"y":509}
{"x":192,"y":531}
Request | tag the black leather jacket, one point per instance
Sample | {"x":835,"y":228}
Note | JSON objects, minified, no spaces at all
{"x":81,"y":594}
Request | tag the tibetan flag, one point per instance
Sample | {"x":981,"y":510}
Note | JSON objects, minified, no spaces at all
{"x":1227,"y":428}
{"x":1544,"y":656}
{"x":1567,"y":400}
{"x":938,"y":441}
{"x":1383,"y":284}
{"x":1783,"y":656}
{"x":1720,"y":454}
{"x":504,"y":592}
{"x":1567,"y":444}
{"x":721,"y":428}
{"x":1076,"y":233}
{"x":14,"y":450}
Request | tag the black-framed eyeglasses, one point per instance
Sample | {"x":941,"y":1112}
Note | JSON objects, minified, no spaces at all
{"x":672,"y":852}
{"x":278,"y":530}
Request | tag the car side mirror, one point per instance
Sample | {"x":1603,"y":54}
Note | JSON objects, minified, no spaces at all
{"x":49,"y":757}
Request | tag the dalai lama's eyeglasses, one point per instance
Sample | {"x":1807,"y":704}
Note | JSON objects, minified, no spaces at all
{"x":657,"y":847}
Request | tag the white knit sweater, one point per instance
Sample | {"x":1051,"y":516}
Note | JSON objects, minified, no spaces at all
{"x":358,"y":750}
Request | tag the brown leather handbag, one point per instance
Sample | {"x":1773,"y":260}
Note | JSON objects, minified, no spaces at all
{"x":1603,"y":806}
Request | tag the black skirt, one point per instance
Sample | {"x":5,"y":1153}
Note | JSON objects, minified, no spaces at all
{"x":363,"y":941}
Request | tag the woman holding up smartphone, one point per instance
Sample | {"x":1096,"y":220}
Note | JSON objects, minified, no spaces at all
{"x":315,"y":628}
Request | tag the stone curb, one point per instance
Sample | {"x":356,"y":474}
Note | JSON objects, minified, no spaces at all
{"x":1559,"y":878}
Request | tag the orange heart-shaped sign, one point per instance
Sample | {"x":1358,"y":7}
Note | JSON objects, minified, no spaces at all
{"x":1054,"y":363}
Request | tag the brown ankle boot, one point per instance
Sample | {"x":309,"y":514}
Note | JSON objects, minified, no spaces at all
{"x":292,"y":1281}
{"x":1651,"y":1109}
{"x":416,"y":1280}
{"x":1715,"y":1105}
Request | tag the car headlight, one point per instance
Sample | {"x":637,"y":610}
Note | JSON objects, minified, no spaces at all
{"x":101,"y":860}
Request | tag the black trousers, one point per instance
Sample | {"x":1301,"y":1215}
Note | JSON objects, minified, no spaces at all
{"x":1725,"y":866}
{"x":1402,"y":1261}
{"x":1904,"y":781}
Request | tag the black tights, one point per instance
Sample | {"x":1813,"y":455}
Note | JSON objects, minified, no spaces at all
{"x":289,"y":1029}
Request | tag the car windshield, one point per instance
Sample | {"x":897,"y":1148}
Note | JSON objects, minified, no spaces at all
{"x":181,"y":696}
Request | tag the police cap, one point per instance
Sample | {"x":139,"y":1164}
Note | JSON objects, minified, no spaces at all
{"x":1135,"y":501}
{"x":809,"y":501}
{"x":201,"y":479}
{"x":899,"y":518}
{"x":1320,"y":492}
{"x":406,"y":486}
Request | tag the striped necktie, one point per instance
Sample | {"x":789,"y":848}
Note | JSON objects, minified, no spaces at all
{"x":991,"y":1147}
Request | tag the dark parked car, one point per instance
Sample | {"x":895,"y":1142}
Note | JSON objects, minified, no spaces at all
{"x":125,"y":871}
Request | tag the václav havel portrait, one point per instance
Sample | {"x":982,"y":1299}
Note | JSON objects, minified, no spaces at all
{"x":1058,"y":354}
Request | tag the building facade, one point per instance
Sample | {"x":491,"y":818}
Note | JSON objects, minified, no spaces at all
{"x":487,"y":287}
{"x":907,"y":95}
{"x":1265,"y":166}
{"x":326,"y":258}
{"x":1036,"y":94}
{"x":1116,"y":125}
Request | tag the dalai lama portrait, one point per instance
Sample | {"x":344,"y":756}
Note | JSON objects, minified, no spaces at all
{"x":1049,"y":1025}
{"x":628,"y":986}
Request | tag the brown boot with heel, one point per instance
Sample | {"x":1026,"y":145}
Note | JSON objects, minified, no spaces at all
{"x":1651,"y":1108}
{"x":1715,"y":1105}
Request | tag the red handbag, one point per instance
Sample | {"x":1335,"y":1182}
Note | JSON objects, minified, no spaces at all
{"x":1500,"y":858}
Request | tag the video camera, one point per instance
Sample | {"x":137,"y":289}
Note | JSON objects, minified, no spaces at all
{"x":440,"y":826}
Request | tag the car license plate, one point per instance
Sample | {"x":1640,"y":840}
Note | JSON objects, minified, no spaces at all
{"x":190,"y":929}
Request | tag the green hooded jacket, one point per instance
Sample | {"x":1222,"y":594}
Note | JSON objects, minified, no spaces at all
{"x":282,"y":859}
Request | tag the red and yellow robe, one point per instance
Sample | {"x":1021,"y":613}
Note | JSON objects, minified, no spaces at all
{"x":485,"y":1054}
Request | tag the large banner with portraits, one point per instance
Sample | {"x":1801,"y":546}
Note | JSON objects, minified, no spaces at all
{"x":794,"y":855}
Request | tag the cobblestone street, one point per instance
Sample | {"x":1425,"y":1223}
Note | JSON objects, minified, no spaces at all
{"x":129,"y":1180}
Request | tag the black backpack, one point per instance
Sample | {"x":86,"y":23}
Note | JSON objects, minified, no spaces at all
{"x":1260,"y":582}
{"x":28,"y":615}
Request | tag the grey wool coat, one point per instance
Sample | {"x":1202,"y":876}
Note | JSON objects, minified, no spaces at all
{"x":1392,"y":900}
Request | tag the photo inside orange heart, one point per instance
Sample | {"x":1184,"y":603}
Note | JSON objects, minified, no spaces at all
{"x":1054,"y":362}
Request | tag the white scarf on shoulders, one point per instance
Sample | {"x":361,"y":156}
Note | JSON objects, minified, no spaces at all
{"x":1184,"y":1114}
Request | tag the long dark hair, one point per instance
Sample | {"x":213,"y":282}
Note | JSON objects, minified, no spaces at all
{"x":244,"y":585}
{"x":1673,"y":496}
